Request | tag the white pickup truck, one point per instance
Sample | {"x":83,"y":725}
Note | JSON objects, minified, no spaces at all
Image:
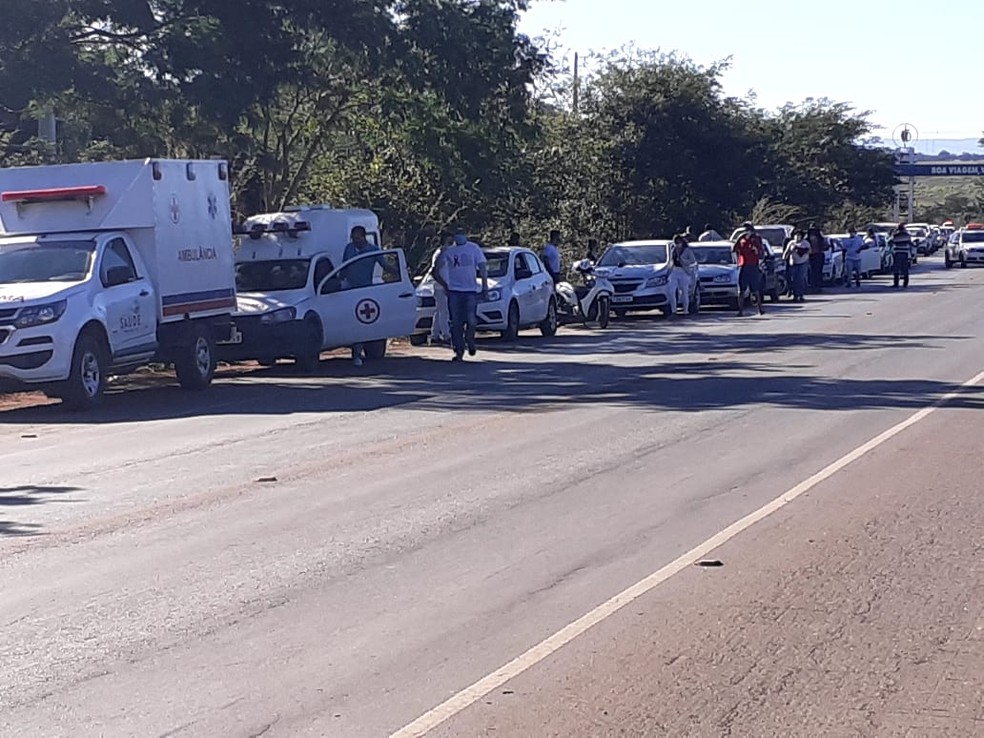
{"x":297,"y":296}
{"x":105,"y":267}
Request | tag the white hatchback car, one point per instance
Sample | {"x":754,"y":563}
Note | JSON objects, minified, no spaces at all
{"x":640,"y":274}
{"x":521,"y":295}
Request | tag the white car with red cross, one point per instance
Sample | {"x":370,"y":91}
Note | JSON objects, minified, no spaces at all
{"x":297,"y":296}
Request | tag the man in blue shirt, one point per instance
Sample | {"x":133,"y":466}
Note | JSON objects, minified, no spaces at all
{"x":359,"y":273}
{"x":551,"y":257}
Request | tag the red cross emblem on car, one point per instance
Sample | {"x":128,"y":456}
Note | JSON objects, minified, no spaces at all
{"x":367,"y":311}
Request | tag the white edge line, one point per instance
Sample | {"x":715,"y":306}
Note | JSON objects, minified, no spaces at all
{"x":472,"y":694}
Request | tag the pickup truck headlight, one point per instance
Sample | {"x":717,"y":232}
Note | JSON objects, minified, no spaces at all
{"x":40,"y":314}
{"x":283,"y":315}
{"x":658,"y":281}
{"x":493,"y":296}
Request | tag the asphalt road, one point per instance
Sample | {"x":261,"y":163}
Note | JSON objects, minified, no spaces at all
{"x":336,"y":555}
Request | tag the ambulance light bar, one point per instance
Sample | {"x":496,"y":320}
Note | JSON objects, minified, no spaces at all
{"x":255,"y":230}
{"x":54,"y":195}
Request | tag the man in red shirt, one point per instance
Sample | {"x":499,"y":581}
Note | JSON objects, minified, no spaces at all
{"x":751,"y":252}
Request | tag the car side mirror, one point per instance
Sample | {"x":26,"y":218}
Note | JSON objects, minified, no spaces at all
{"x":523,"y":273}
{"x":118,"y":275}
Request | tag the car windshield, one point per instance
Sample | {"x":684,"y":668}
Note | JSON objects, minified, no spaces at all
{"x":914,"y":231}
{"x":973,"y":237}
{"x":497,"y":262}
{"x":720,"y":255}
{"x":633,"y":255}
{"x":272,"y":276}
{"x":46,"y":261}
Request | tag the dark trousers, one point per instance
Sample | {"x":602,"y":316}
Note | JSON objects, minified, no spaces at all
{"x":816,"y":271}
{"x":797,"y":275}
{"x":463,"y":307}
{"x":901,"y":268}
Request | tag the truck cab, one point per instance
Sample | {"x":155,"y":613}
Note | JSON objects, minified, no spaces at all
{"x":108,"y":266}
{"x":299,"y":296}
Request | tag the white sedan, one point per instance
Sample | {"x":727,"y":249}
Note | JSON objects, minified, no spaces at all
{"x":871,"y":258}
{"x":521,"y":295}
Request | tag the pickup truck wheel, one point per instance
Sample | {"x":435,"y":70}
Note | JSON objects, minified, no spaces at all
{"x":375,"y":350}
{"x":963,"y":261}
{"x":195,"y":361}
{"x":85,"y":385}
{"x":512,"y":323}
{"x":548,"y":327}
{"x":310,"y":355}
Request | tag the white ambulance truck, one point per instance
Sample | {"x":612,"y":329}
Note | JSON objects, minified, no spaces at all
{"x":105,"y":267}
{"x":297,"y":296}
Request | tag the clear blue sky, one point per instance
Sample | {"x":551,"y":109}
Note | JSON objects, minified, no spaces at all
{"x":893,"y":58}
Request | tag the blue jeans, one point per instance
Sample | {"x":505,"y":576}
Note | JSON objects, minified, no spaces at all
{"x":463,"y":307}
{"x":797,"y":275}
{"x":853,"y":271}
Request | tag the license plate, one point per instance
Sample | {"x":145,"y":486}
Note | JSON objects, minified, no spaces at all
{"x":235,"y":337}
{"x":622,"y":298}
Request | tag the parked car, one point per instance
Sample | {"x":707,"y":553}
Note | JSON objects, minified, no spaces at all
{"x":965,"y":246}
{"x":640,"y":273}
{"x":871,"y":258}
{"x":520,"y":296}
{"x":717,"y":271}
{"x":834,"y":267}
{"x":774,"y":267}
{"x":776,"y":234}
{"x":920,"y":234}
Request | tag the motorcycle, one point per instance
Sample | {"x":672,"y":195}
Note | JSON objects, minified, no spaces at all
{"x":587,"y":302}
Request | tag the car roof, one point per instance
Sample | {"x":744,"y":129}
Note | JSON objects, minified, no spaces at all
{"x":634,"y":244}
{"x":717,"y":244}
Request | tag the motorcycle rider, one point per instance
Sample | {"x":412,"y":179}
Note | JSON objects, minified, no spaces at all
{"x":682,"y":273}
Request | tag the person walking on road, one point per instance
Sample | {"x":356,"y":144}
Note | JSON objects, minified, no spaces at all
{"x":551,"y":257}
{"x":710,"y":234}
{"x":457,"y":269}
{"x":441,"y":328}
{"x":751,"y":251}
{"x":682,"y":274}
{"x":797,"y":255}
{"x":818,"y":249}
{"x":853,"y":245}
{"x":901,"y":243}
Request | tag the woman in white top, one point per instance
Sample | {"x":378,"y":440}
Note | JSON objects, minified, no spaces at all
{"x":797,"y":255}
{"x":441,"y":327}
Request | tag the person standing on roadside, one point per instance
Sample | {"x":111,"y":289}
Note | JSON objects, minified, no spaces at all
{"x":592,"y":254}
{"x":853,"y":245}
{"x":710,"y":234}
{"x":359,"y":274}
{"x":682,"y":274}
{"x":458,"y":269}
{"x":818,"y":250}
{"x":797,"y":255}
{"x":901,"y":243}
{"x":551,"y":257}
{"x":751,"y":251}
{"x":441,"y":328}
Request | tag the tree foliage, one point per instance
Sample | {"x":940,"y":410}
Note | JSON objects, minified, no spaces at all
{"x":431,"y":112}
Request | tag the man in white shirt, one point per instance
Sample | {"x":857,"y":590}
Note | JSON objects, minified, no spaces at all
{"x":551,"y":257}
{"x":852,"y":257}
{"x":456,"y":270}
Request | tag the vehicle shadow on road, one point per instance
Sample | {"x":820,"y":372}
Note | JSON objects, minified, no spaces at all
{"x":655,"y":373}
{"x":27,"y":496}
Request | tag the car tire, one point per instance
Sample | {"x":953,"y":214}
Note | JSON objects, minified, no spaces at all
{"x":87,"y":381}
{"x":511,"y":333}
{"x":310,"y":356}
{"x":548,"y":328}
{"x":195,"y":361}
{"x":375,"y":350}
{"x":604,"y":312}
{"x":733,"y":303}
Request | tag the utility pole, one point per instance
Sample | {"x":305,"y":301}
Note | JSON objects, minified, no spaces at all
{"x":576,"y":84}
{"x":911,"y":150}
